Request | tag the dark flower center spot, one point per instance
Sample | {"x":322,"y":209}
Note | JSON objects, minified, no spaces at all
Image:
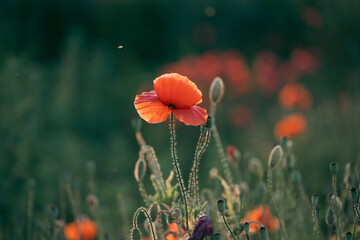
{"x":171,"y":106}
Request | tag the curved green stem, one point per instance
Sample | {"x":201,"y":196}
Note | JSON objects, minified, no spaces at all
{"x":142,"y":209}
{"x":228,"y":227}
{"x":177,"y":167}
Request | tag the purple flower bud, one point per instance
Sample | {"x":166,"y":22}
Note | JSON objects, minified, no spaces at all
{"x":202,"y":229}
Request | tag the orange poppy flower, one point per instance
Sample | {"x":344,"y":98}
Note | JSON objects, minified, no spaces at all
{"x":264,"y":217}
{"x":295,"y":95}
{"x":173,"y":93}
{"x":290,"y":126}
{"x":80,"y":230}
{"x":173,"y":227}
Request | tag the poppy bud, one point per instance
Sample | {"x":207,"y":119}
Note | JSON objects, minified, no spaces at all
{"x":255,"y":166}
{"x":348,"y":236}
{"x":140,"y":169}
{"x":275,"y":157}
{"x":136,"y":124}
{"x":354,"y":193}
{"x":54,"y":211}
{"x":202,"y":229}
{"x":209,"y":122}
{"x":336,"y":200}
{"x":314,"y":199}
{"x":221,"y":206}
{"x":233,"y":154}
{"x":216,"y":90}
{"x":283,"y":142}
{"x":246,"y":226}
{"x":334,"y":168}
{"x":263,"y":233}
{"x":135,"y":234}
{"x":92,"y":200}
{"x":242,"y":197}
{"x":216,"y":236}
{"x":330,"y":217}
{"x":154,"y":209}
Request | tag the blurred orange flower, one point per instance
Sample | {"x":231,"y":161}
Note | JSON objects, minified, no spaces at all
{"x":290,"y":126}
{"x":295,"y":95}
{"x":80,"y":230}
{"x":173,"y":93}
{"x":174,"y":229}
{"x":303,"y":61}
{"x":264,"y":217}
{"x":266,"y":71}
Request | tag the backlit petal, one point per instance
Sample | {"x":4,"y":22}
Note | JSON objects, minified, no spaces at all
{"x":177,"y":90}
{"x":150,"y":108}
{"x":194,"y":116}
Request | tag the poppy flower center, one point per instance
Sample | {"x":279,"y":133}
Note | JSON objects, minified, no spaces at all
{"x":171,"y":106}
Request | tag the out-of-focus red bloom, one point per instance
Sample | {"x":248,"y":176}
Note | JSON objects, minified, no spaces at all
{"x":80,"y":230}
{"x":264,"y":217}
{"x":312,"y":17}
{"x":240,"y":116}
{"x":295,"y":95}
{"x":236,"y":70}
{"x":232,"y":154}
{"x":266,"y":72}
{"x":207,"y":66}
{"x":303,"y":61}
{"x":290,"y":126}
{"x":174,"y":232}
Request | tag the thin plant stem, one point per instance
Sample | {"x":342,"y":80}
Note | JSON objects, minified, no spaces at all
{"x":30,"y":212}
{"x":71,"y":198}
{"x":142,"y":209}
{"x":357,"y":218}
{"x":316,"y":223}
{"x":220,"y":147}
{"x":336,"y":205}
{"x":194,"y":175}
{"x":177,"y":167}
{"x":273,"y":205}
{"x":228,"y":227}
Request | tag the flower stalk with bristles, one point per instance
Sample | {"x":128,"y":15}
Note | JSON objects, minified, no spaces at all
{"x":137,"y":232}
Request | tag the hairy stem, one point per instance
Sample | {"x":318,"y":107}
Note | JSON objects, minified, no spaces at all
{"x":316,"y":223}
{"x":336,"y":205}
{"x":228,"y":227}
{"x":177,"y":167}
{"x":220,"y":147}
{"x":142,"y":209}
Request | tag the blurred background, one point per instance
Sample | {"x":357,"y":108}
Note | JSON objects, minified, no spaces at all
{"x":70,"y":70}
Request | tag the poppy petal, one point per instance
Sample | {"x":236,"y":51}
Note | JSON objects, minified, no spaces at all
{"x":194,"y":116}
{"x":177,"y":90}
{"x":150,"y":108}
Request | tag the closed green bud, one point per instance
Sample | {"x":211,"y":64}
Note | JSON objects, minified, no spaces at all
{"x":314,"y":199}
{"x":216,"y":90}
{"x":283,"y":143}
{"x":246,"y":226}
{"x":136,"y":124}
{"x":216,"y":236}
{"x":53,"y":211}
{"x":135,"y":234}
{"x":275,"y":157}
{"x":330,"y":217}
{"x":209,"y":122}
{"x":221,"y":206}
{"x":348,"y":236}
{"x":354,"y":193}
{"x":263,"y":233}
{"x":242,"y":197}
{"x":140,"y":169}
{"x":154,"y":210}
{"x":334,"y":167}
